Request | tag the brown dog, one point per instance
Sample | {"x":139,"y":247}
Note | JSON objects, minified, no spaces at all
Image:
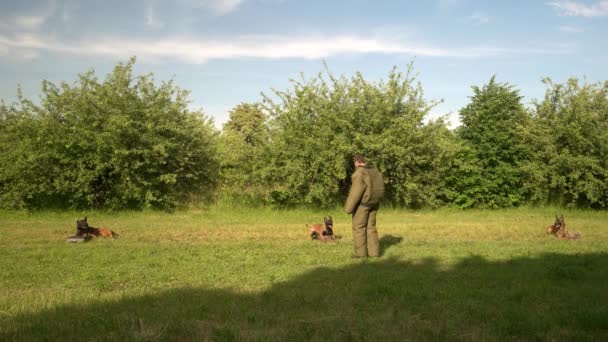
{"x":322,"y":232}
{"x":558,"y":228}
{"x":83,"y":229}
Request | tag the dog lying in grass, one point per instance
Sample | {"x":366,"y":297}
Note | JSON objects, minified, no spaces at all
{"x":83,"y":229}
{"x":322,"y":232}
{"x":558,"y":228}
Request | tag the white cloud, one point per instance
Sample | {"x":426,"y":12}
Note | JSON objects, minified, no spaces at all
{"x":579,"y":9}
{"x":261,"y":46}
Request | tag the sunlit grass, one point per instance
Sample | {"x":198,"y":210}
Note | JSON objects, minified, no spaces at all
{"x":243,"y":274}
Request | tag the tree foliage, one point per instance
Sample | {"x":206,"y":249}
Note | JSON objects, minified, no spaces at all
{"x":120,"y":143}
{"x":489,"y":172}
{"x":572,"y":128}
{"x":126,"y":142}
{"x":322,"y":122}
{"x":243,"y":147}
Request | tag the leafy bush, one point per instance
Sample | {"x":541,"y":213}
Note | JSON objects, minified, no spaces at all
{"x":243,"y":145}
{"x":489,"y":170}
{"x":127,"y":143}
{"x":318,"y":126}
{"x":120,"y":143}
{"x":572,"y":128}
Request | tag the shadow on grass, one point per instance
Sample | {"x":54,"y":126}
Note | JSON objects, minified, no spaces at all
{"x":552,"y":297}
{"x":387,"y":241}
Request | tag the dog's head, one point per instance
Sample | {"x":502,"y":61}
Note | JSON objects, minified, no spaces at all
{"x":82,"y":224}
{"x":329,"y":223}
{"x":557,"y":225}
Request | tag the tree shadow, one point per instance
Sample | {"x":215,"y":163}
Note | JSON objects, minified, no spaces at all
{"x":387,"y":241}
{"x":552,"y":297}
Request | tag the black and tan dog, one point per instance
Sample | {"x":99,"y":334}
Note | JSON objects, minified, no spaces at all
{"x":558,"y":228}
{"x":83,"y":229}
{"x":322,"y":232}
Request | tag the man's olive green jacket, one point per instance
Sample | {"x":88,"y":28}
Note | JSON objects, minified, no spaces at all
{"x":367,"y":189}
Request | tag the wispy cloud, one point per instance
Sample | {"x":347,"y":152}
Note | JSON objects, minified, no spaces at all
{"x":65,"y":15}
{"x":579,"y":9}
{"x":262,"y":46}
{"x":224,"y":6}
{"x":152,"y":20}
{"x":447,"y":4}
{"x":220,"y":7}
{"x":570,"y":29}
{"x":27,"y":22}
{"x":21,"y":23}
{"x":479,"y":18}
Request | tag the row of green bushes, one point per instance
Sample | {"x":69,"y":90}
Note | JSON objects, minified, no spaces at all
{"x":126,"y":142}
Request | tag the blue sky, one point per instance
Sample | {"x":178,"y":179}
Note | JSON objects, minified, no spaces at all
{"x":229,"y":51}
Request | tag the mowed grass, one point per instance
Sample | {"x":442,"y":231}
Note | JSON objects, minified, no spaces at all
{"x":228,"y":274}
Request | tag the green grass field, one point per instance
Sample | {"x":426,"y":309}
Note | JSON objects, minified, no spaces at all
{"x":254,"y":275}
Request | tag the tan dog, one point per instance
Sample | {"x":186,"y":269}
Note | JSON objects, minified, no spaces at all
{"x":322,"y":232}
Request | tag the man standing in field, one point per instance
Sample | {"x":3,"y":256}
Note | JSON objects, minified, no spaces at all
{"x":366,"y":191}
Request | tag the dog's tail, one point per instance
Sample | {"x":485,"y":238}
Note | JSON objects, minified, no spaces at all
{"x":114,"y":235}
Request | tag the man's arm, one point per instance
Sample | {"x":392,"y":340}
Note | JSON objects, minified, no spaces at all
{"x":356,"y":192}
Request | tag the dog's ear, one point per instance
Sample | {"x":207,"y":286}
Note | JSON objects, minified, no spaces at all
{"x":85,"y":219}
